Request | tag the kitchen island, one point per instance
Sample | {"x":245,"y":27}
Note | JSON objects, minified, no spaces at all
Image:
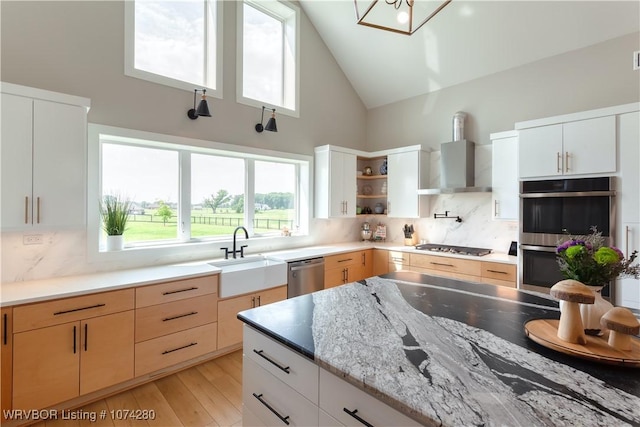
{"x":448,"y":352}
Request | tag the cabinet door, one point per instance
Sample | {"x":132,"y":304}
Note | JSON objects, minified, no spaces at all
{"x":6,"y":359}
{"x":229,"y":327}
{"x":589,"y":146}
{"x":335,"y":277}
{"x":342,"y":184}
{"x":380,"y":261}
{"x":403,"y":182}
{"x":628,"y":289}
{"x":106,"y":353}
{"x":628,"y":196}
{"x":504,"y":178}
{"x":59,"y":164}
{"x":367,"y":263}
{"x":269,"y":296}
{"x":540,"y":151}
{"x":17,"y":151}
{"x":46,"y":366}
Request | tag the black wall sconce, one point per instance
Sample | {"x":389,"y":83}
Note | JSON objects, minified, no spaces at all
{"x":203,"y":107}
{"x":271,"y":123}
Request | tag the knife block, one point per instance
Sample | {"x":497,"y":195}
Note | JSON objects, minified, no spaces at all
{"x":412,"y":241}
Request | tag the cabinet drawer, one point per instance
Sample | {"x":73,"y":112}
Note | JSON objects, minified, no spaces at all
{"x":291,"y":368}
{"x":342,"y":260}
{"x":164,"y":319}
{"x":337,"y":396}
{"x":168,"y":350}
{"x":499,"y":271}
{"x":453,"y":265}
{"x":272,"y":401}
{"x":174,"y":291}
{"x":399,"y":258}
{"x":447,"y":274}
{"x":39,"y":315}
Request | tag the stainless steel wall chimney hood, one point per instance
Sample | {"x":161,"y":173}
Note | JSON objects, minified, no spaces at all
{"x":457,"y":169}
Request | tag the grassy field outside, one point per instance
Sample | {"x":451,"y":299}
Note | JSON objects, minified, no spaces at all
{"x":150,"y":226}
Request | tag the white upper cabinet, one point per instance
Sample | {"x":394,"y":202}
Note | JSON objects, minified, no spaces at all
{"x":504,"y":175}
{"x":43,"y":159}
{"x":580,"y":147}
{"x":407,"y":173}
{"x":335,"y":183}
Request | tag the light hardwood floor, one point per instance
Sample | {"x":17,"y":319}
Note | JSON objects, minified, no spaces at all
{"x":209,"y":394}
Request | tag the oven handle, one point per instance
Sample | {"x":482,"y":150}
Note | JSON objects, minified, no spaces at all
{"x":567,"y":194}
{"x":538,"y":248}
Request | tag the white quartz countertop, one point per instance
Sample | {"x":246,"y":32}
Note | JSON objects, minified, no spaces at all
{"x":62,"y":287}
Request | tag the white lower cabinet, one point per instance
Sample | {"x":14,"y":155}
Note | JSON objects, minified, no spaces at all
{"x":281,"y":387}
{"x":272,"y":401}
{"x":353,"y":407}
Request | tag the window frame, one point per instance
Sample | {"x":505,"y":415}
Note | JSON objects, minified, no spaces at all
{"x":129,"y":52}
{"x":292,"y":33}
{"x":183,"y":244}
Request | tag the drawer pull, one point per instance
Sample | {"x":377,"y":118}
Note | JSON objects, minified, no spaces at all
{"x":283,"y":419}
{"x":86,"y":336}
{"x":4,"y":329}
{"x":166,"y":319}
{"x":397,"y":259}
{"x":345,"y":260}
{"x":74,"y":340}
{"x":261,"y":354}
{"x":180,"y":290}
{"x":180,"y":348}
{"x":78,"y":309}
{"x":354,"y":415}
{"x":442,"y":264}
{"x":496,"y":271}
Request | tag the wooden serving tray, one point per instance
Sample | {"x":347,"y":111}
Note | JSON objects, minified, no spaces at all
{"x":545,"y":333}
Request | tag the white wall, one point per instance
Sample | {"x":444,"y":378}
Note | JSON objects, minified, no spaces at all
{"x":594,"y":77}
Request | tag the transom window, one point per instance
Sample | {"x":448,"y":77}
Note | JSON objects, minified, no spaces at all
{"x":181,"y":193}
{"x":175,"y":43}
{"x":268,"y":68}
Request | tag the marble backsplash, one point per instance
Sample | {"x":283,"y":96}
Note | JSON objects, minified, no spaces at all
{"x":64,"y":253}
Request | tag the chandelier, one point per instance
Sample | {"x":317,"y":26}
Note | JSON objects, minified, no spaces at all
{"x":398,"y":16}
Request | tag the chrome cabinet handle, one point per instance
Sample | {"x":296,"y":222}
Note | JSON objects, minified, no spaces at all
{"x":566,"y":161}
{"x":355,"y":415}
{"x":253,"y":302}
{"x":269,"y":407}
{"x":626,"y":249}
{"x":558,"y":160}
{"x":26,"y":209}
{"x":260,"y":353}
{"x":38,"y":205}
{"x":259,"y":302}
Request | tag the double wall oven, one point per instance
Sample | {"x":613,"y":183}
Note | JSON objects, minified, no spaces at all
{"x":552,"y":208}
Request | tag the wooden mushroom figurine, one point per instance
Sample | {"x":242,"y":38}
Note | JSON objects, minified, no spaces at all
{"x":573,"y":293}
{"x":622,"y":325}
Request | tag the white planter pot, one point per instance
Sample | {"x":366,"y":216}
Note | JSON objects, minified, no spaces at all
{"x":115,"y":243}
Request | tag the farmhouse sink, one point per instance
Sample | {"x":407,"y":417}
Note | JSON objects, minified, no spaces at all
{"x":249,"y":274}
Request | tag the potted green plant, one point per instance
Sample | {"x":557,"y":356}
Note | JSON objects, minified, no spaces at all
{"x":115,"y":213}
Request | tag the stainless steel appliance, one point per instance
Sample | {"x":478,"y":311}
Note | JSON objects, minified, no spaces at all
{"x":551,"y":209}
{"x":462,"y":250}
{"x":305,"y":276}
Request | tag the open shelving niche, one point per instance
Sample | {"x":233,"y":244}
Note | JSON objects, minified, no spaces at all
{"x":370,"y":187}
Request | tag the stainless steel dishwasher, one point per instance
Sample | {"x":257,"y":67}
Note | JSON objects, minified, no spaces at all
{"x":305,"y":276}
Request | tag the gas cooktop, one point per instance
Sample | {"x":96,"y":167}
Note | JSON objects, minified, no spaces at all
{"x":461,"y":250}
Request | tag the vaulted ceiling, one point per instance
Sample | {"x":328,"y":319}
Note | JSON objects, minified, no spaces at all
{"x":465,"y":41}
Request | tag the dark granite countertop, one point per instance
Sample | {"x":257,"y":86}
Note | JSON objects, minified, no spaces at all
{"x":448,"y":352}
